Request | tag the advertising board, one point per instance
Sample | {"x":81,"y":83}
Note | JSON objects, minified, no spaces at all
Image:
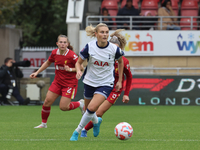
{"x":164,"y":90}
{"x":156,"y":43}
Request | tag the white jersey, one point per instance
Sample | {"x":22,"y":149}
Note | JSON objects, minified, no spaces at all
{"x":100,"y":68}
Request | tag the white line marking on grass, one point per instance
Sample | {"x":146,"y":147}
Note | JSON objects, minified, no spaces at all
{"x":140,"y":140}
{"x":172,"y":140}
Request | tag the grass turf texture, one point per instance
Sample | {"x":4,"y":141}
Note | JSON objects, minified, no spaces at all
{"x":155,"y":128}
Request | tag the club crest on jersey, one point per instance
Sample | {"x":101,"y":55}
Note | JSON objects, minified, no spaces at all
{"x":65,"y":62}
{"x":109,"y":56}
{"x":101,"y":63}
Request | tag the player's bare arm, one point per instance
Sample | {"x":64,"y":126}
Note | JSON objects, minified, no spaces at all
{"x":67,"y":68}
{"x":120,"y":71}
{"x":43,"y":67}
{"x":78,"y":67}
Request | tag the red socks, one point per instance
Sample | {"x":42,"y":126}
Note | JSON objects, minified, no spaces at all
{"x":45,"y":113}
{"x":74,"y":105}
{"x":46,"y":110}
{"x":89,"y":126}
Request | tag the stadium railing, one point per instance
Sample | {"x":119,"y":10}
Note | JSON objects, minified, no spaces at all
{"x":138,"y":20}
{"x":135,"y":71}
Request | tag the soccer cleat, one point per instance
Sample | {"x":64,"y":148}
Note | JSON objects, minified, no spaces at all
{"x":42,"y":125}
{"x":96,"y":127}
{"x":83,"y":133}
{"x":74,"y":136}
{"x":81,"y":106}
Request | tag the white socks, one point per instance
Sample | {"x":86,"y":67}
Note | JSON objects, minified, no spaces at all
{"x":85,"y":119}
{"x":95,"y":118}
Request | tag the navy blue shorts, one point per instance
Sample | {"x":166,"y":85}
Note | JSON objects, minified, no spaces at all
{"x":89,"y":91}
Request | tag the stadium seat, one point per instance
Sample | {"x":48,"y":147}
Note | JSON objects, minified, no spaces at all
{"x":149,"y":5}
{"x":111,"y":5}
{"x":153,"y":0}
{"x":113,"y":0}
{"x":175,"y":7}
{"x":135,"y":3}
{"x":175,"y":1}
{"x":187,"y":22}
{"x":189,"y":8}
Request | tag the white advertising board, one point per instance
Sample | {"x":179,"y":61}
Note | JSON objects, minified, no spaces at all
{"x":36,"y":59}
{"x":157,"y":43}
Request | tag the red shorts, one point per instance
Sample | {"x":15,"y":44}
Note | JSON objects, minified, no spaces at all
{"x":69,"y":92}
{"x":112,"y":98}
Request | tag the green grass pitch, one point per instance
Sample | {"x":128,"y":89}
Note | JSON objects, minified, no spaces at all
{"x":155,"y":128}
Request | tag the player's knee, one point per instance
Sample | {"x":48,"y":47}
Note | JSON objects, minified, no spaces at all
{"x":99,"y":114}
{"x":47,"y":103}
{"x":63,"y":108}
{"x":92,"y":109}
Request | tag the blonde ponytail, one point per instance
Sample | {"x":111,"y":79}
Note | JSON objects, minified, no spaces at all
{"x":90,"y":30}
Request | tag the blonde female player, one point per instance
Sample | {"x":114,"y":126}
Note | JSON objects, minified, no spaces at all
{"x":98,"y":76}
{"x":119,"y":40}
{"x":65,"y":82}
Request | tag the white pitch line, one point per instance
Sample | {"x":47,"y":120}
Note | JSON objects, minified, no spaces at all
{"x":139,"y":140}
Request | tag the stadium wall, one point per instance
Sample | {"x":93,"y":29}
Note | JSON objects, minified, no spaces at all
{"x":9,"y":41}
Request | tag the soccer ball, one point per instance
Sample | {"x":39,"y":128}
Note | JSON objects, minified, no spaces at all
{"x":123,"y":131}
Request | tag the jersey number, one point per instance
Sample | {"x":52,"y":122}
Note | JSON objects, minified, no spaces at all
{"x":69,"y":90}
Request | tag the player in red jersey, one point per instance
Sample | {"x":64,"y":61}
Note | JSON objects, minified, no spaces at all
{"x":120,"y":41}
{"x":65,"y":82}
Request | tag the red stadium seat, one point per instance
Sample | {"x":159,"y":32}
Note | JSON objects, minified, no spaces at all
{"x":149,"y":5}
{"x":175,"y":7}
{"x":113,"y":0}
{"x":111,"y":5}
{"x":189,"y":8}
{"x":187,"y":22}
{"x":153,"y":0}
{"x":135,"y":4}
{"x":175,"y":1}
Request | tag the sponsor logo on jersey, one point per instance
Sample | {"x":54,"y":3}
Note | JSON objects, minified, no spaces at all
{"x":59,"y":67}
{"x":101,"y":63}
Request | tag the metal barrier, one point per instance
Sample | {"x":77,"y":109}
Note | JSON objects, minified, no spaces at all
{"x":151,"y":71}
{"x":138,"y":20}
{"x":134,"y":71}
{"x":38,"y":49}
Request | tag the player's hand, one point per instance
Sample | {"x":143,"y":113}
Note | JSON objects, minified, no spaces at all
{"x":33,"y":75}
{"x":67,"y":68}
{"x":118,"y":86}
{"x":125,"y":99}
{"x":78,"y":74}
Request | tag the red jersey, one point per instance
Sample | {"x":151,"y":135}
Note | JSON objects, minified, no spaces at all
{"x":62,"y":77}
{"x":126,"y":72}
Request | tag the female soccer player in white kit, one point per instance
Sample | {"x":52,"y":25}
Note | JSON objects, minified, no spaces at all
{"x":98,"y":76}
